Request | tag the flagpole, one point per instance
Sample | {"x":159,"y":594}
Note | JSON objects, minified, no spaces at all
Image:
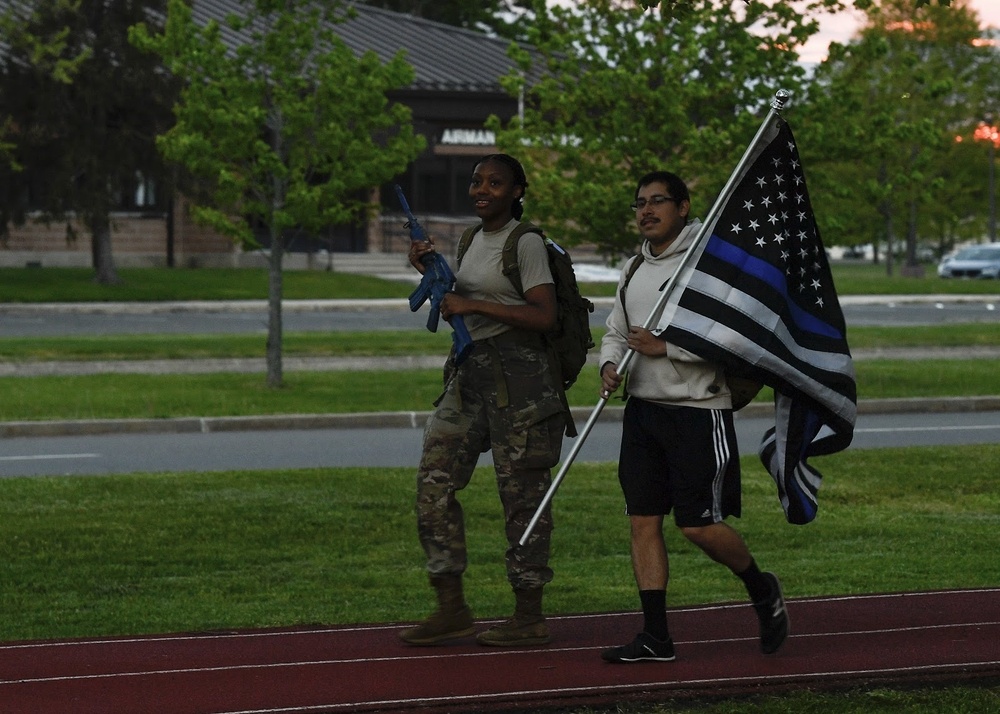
{"x":777,"y":104}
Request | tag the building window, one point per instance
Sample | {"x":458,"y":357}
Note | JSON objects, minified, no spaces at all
{"x":138,"y":194}
{"x":145,"y":191}
{"x":438,"y":185}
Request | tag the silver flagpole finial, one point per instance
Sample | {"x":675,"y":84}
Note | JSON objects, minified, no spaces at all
{"x":780,"y":97}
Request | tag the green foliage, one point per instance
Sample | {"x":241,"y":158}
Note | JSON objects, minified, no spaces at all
{"x":289,"y":129}
{"x":82,"y":107}
{"x":45,"y":45}
{"x":620,"y":92}
{"x":880,"y":125}
{"x":622,"y":88}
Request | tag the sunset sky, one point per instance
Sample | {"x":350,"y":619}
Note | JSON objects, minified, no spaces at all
{"x":841,"y":27}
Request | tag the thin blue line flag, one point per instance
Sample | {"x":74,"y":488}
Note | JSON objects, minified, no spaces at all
{"x":757,"y":297}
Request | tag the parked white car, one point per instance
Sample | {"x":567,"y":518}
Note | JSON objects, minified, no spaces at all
{"x":976,"y":261}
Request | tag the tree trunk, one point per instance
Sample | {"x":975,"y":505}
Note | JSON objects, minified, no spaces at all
{"x":890,"y":246}
{"x":171,"y":230}
{"x":912,"y":267}
{"x":274,"y":292}
{"x":885,"y":208}
{"x":104,"y":261}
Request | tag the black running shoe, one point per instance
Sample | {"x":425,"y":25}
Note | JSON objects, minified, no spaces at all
{"x":773,"y":616}
{"x":644,"y":648}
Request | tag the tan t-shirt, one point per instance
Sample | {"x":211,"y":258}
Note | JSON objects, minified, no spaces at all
{"x":480,"y":276}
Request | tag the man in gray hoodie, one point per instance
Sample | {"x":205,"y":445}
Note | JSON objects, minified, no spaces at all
{"x":679,"y":451}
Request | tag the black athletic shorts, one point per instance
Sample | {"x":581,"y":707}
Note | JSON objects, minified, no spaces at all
{"x":681,"y":459}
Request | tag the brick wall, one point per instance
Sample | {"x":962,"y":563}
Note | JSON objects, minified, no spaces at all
{"x":141,"y":241}
{"x":136,"y":240}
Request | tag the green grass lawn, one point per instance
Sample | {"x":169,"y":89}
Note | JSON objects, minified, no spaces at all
{"x":197,"y":551}
{"x":140,"y":396}
{"x":381,"y":343}
{"x":166,"y":284}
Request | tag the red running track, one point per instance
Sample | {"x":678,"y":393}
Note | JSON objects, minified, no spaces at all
{"x":836,"y":642}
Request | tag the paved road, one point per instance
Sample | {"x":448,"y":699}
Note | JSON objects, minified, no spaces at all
{"x":399,"y":444}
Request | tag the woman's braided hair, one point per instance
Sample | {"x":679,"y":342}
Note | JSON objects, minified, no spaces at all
{"x":517,"y":208}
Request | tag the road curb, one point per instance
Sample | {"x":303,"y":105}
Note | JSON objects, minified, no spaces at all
{"x":415,"y":419}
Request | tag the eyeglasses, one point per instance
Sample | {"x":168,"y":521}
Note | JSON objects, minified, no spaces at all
{"x":654,"y":201}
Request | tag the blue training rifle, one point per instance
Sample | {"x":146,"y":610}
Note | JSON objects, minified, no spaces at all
{"x":438,"y":280}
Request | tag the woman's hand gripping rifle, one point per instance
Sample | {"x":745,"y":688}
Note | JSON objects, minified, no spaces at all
{"x":438,"y":280}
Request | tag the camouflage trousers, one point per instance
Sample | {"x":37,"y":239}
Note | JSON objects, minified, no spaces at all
{"x":502,"y":398}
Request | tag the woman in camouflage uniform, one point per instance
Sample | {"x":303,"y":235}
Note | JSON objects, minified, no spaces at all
{"x":502,"y":398}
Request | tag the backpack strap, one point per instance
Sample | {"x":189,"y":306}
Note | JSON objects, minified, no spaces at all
{"x":636,"y":263}
{"x":465,"y":240}
{"x":509,"y":255}
{"x":633,"y":267}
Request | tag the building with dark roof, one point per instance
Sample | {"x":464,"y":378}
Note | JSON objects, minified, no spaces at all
{"x":455,"y":90}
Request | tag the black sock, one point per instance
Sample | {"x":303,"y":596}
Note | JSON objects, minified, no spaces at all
{"x":757,"y":585}
{"x":654,"y":612}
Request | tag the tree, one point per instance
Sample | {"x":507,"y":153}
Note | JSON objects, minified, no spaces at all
{"x":622,"y":91}
{"x":83,"y":106}
{"x":288,"y":129}
{"x":886,"y":108}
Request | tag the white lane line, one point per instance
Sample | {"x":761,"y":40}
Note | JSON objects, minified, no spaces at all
{"x":894,"y":429}
{"x":333,"y":630}
{"x":48,"y":457}
{"x":467,"y":655}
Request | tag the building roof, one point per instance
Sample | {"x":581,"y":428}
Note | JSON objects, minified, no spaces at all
{"x":444,"y":58}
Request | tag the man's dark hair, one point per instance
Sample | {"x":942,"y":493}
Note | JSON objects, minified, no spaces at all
{"x":675,"y":184}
